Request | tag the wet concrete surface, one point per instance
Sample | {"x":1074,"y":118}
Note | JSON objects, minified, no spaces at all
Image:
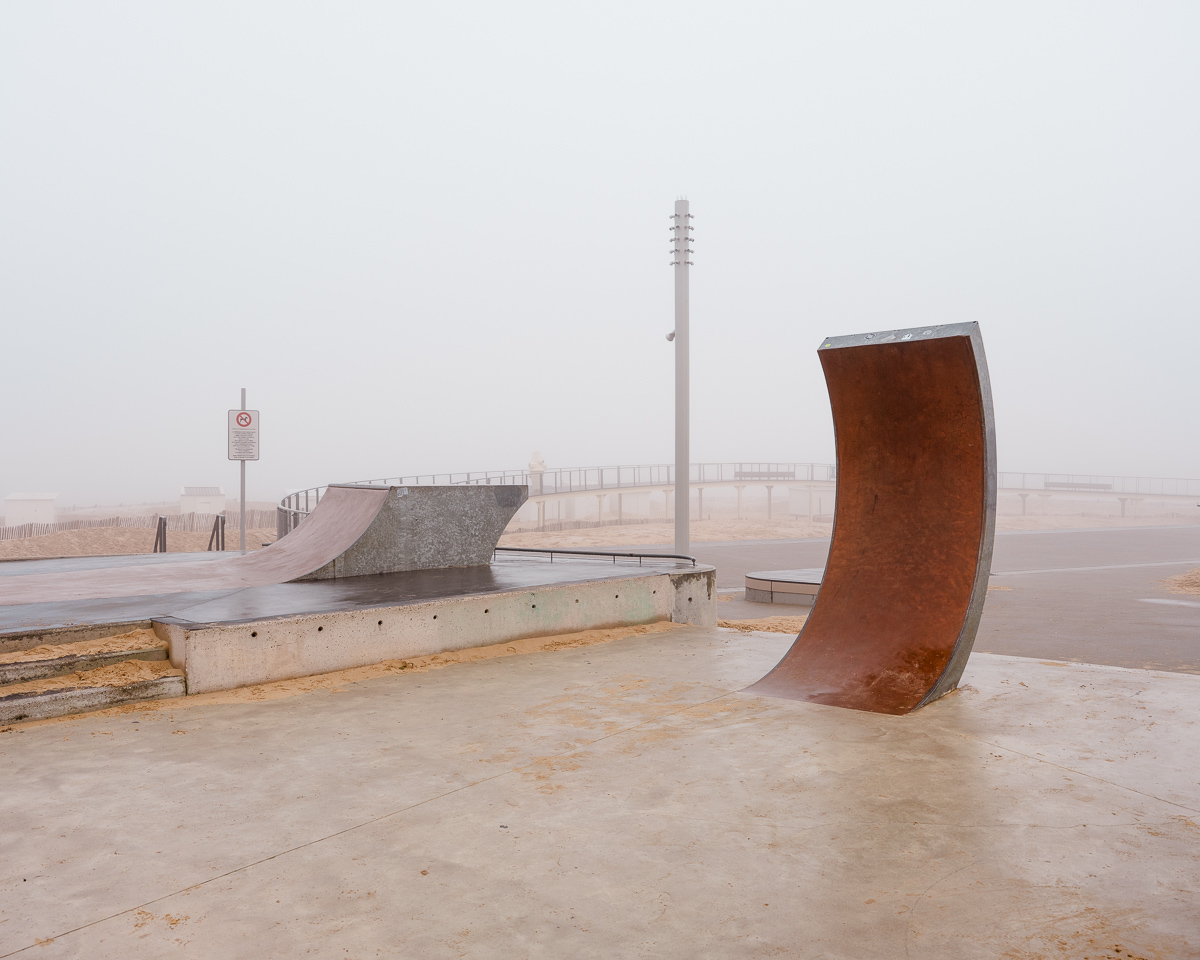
{"x":618,"y":800}
{"x":1074,"y":595}
{"x":22,"y":568}
{"x":326,"y":596}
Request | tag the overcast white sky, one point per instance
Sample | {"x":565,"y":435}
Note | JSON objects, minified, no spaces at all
{"x":433,"y":236}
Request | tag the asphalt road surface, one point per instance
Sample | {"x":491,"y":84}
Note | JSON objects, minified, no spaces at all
{"x":1090,"y":596}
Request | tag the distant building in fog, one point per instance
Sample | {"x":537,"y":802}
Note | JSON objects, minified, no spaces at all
{"x":202,"y":500}
{"x":21,"y":508}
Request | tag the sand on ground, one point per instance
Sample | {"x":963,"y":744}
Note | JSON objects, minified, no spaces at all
{"x":125,"y":642}
{"x":115,"y":675}
{"x":766,"y":624}
{"x":1184,"y":582}
{"x":1006,"y":523}
{"x":661,"y":535}
{"x":121,"y":541}
{"x":337,"y":680}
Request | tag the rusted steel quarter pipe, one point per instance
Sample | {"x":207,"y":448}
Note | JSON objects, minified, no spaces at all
{"x":904,"y":585}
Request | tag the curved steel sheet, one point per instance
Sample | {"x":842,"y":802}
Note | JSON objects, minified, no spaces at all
{"x":904,"y":586}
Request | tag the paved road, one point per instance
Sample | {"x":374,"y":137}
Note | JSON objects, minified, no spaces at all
{"x":1077,"y":595}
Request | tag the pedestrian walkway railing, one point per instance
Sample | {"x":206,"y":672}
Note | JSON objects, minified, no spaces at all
{"x":571,"y":480}
{"x":1087,"y":483}
{"x":575,"y":480}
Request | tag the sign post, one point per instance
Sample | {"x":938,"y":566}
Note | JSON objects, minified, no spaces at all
{"x":243,"y":446}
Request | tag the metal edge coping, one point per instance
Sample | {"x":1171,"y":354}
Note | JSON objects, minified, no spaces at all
{"x":965,"y":641}
{"x":908,"y":334}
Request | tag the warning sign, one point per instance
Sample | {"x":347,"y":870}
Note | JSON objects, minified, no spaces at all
{"x":243,"y":434}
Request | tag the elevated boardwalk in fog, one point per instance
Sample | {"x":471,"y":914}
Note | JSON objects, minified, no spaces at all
{"x":557,"y":484}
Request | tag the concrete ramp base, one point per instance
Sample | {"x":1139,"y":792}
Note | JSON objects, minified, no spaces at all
{"x":224,"y":656}
{"x":418,"y":528}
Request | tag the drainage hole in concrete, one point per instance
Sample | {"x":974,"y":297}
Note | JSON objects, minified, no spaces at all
{"x":254,"y":633}
{"x":485,"y":610}
{"x":381,"y":623}
{"x":689,"y":599}
{"x":319,"y":629}
{"x":435,"y":616}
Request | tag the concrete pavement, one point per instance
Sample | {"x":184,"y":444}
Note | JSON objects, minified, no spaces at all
{"x":1083,"y":601}
{"x":623,"y":799}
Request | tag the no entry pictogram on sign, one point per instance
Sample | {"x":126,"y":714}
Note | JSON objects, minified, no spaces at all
{"x":244,"y":419}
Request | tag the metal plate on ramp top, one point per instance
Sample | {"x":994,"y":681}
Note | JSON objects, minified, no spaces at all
{"x":243,"y":434}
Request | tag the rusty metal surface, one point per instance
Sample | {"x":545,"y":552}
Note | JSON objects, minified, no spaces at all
{"x":906,"y":578}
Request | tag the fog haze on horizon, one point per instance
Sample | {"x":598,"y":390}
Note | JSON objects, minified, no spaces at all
{"x":435,"y":237}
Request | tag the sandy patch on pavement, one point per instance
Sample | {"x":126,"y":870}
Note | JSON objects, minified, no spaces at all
{"x":119,"y":674}
{"x":337,"y":680}
{"x":766,"y":624}
{"x":662,"y":535}
{"x":1184,"y":582}
{"x":134,"y":640}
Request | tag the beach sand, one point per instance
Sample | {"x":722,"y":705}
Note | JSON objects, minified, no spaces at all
{"x":120,"y":541}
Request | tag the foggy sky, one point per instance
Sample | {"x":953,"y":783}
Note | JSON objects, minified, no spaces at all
{"x":435,"y":236}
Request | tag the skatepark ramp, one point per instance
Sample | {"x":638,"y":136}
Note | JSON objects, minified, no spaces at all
{"x":903,"y":590}
{"x":354,"y":531}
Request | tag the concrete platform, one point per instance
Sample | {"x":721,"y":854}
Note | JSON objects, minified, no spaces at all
{"x":623,"y":799}
{"x":27,"y":625}
{"x":287,"y":630}
{"x":238,"y":652}
{"x":795,"y":587}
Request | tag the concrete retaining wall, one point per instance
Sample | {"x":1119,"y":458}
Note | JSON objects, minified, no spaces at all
{"x":230,"y":655}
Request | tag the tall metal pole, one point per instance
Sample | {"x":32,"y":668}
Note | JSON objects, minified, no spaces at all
{"x":243,"y":463}
{"x":681,"y":242}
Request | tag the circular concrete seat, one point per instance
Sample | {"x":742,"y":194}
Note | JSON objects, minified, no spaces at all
{"x":784,"y":586}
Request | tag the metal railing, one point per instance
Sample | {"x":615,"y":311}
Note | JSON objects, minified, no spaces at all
{"x":574,"y":480}
{"x":1082,"y":483}
{"x":551,"y":551}
{"x":571,"y":480}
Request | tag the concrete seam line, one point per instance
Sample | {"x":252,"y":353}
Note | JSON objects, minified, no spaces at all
{"x":1081,"y":773}
{"x":353,"y":827}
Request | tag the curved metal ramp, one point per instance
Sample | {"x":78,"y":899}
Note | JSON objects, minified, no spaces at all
{"x":904,"y":585}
